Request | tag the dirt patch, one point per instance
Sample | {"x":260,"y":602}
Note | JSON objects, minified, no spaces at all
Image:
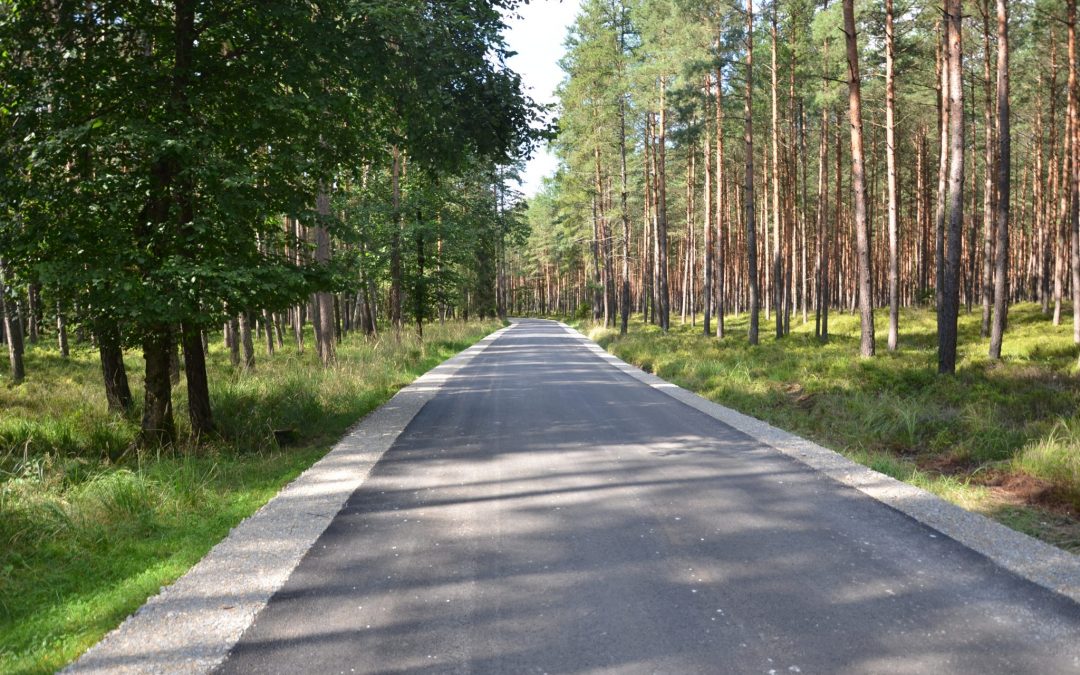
{"x":1020,"y":489}
{"x":799,"y":397}
{"x":946,"y":465}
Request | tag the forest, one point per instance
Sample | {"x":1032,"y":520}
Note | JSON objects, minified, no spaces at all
{"x":790,"y":158}
{"x":176,"y":169}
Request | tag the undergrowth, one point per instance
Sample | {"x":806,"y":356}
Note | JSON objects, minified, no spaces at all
{"x":90,"y":527}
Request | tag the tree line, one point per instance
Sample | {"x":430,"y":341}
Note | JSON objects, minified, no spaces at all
{"x":174,"y":168}
{"x":792,"y":157}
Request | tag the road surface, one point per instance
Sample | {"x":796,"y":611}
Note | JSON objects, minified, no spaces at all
{"x":546,"y":513}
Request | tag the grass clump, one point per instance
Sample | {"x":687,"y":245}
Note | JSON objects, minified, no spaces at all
{"x":90,"y":527}
{"x":1001,"y":438}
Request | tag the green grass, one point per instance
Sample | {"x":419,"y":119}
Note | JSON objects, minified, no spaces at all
{"x":968,"y":438}
{"x":89,"y":527}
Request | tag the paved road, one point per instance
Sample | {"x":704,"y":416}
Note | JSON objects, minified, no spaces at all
{"x":546,"y":513}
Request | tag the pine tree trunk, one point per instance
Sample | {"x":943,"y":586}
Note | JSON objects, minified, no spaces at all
{"x":1001,"y":262}
{"x":707,"y":288}
{"x":721,"y":210}
{"x":661,"y":212}
{"x":748,"y":199}
{"x":858,"y":177}
{"x":777,"y":258}
{"x":951,"y":292}
{"x":943,"y":177}
{"x":890,"y":149}
{"x":1074,"y":173}
{"x":988,"y":179}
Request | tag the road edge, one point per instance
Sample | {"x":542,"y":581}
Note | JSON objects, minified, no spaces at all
{"x":1034,"y":560}
{"x":191,"y":625}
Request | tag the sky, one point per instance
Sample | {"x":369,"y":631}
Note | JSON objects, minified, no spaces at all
{"x":537,"y":37}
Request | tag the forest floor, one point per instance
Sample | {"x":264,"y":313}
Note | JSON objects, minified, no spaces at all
{"x":90,"y":528}
{"x":1000,"y":439}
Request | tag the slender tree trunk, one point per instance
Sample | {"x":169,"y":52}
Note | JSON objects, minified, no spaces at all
{"x":12,"y":328}
{"x":988,"y":179}
{"x":777,"y":258}
{"x":748,"y":198}
{"x":1001,"y":262}
{"x":246,"y":341}
{"x":661,"y":211}
{"x":710,"y":260}
{"x":890,"y":150}
{"x":61,"y":332}
{"x":1074,"y":173}
{"x":948,"y":316}
{"x":396,"y":273}
{"x":232,"y":341}
{"x":821,"y":216}
{"x":943,"y":177}
{"x":268,"y":327}
{"x":720,"y":306}
{"x":324,"y":299}
{"x":858,"y":177}
{"x":624,"y":317}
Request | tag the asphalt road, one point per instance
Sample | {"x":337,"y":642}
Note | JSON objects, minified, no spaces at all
{"x":545,"y":513}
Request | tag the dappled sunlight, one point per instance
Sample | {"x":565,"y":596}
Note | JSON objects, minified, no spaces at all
{"x":592,"y":523}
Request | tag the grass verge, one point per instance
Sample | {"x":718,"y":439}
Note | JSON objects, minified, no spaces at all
{"x":90,"y":528}
{"x":1002,"y":439}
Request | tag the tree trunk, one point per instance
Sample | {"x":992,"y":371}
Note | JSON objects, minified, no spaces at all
{"x":198,"y":389}
{"x":268,"y":327}
{"x":117,"y":391}
{"x":661,"y":212}
{"x":858,"y":178}
{"x":720,"y":306}
{"x":246,"y":341}
{"x":943,"y":177}
{"x":748,"y":198}
{"x":951,"y":291}
{"x":157,"y":422}
{"x":325,"y":299}
{"x":890,"y":150}
{"x":988,"y":179}
{"x":12,"y":328}
{"x":707,"y":289}
{"x":396,"y":273}
{"x":1074,"y":173}
{"x":61,"y":332}
{"x":777,"y":257}
{"x":1001,"y":262}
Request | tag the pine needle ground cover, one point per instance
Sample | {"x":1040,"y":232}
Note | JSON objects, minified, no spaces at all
{"x":90,"y":528}
{"x":1001,"y":439}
